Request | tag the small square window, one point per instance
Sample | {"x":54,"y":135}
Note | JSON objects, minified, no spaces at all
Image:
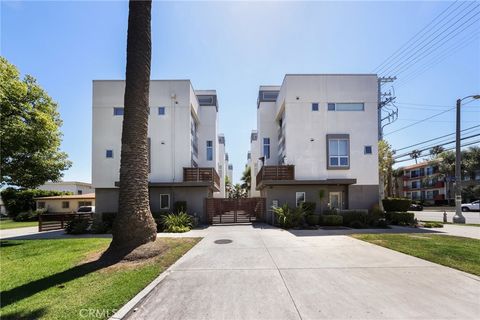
{"x":161,"y":111}
{"x":331,"y":107}
{"x":368,"y":150}
{"x":65,"y":204}
{"x":299,"y":198}
{"x":314,"y":106}
{"x":117,"y":111}
{"x":109,"y":154}
{"x":164,"y":201}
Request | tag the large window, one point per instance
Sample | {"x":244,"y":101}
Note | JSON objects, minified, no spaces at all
{"x":299,"y":198}
{"x":164,"y":201}
{"x":346,"y":107}
{"x":266,"y":148}
{"x":338,"y":151}
{"x":117,"y":111}
{"x":209,"y":150}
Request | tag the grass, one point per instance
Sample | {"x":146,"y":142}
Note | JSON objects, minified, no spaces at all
{"x":57,"y":279}
{"x":455,"y":252}
{"x":457,"y":224}
{"x":10,"y":224}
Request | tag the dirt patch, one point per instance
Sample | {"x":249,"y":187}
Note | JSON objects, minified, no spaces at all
{"x":419,"y":237}
{"x":378,"y":241}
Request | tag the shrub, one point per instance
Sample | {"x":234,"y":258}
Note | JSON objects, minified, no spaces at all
{"x":21,"y":200}
{"x":28,"y":216}
{"x":287,"y":217}
{"x":396,"y":204}
{"x":100,"y":227}
{"x":357,"y":224}
{"x":313,"y":219}
{"x":78,"y":226}
{"x":400,"y":218}
{"x":332,"y":220}
{"x":433,"y":225}
{"x":180,"y":206}
{"x":180,"y":222}
{"x":351,"y":216}
{"x":308,"y":207}
{"x":330,"y":212}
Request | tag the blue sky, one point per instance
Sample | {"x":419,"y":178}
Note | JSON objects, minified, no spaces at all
{"x":233,"y":47}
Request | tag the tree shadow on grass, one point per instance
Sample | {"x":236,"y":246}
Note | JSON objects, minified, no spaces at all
{"x":5,"y":244}
{"x":29,"y":289}
{"x":35,"y":314}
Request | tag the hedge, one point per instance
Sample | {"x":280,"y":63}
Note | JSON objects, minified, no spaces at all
{"x":313,"y":219}
{"x":351,"y":216}
{"x":309,"y":207}
{"x":332,"y":220}
{"x":21,"y":200}
{"x":396,"y":204}
{"x":400,"y":218}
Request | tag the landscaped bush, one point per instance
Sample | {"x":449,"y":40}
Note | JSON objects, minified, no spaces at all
{"x":308,"y":207}
{"x":332,"y":220}
{"x":28,"y":216}
{"x":21,"y":200}
{"x":287,"y":217}
{"x":78,"y":226}
{"x":400,"y":218}
{"x":396,"y":204}
{"x":357,"y":224}
{"x":330,"y":212}
{"x":433,"y":225}
{"x":100,"y":227}
{"x":180,"y":222}
{"x":351,"y":216}
{"x":180,"y":206}
{"x":313,"y":219}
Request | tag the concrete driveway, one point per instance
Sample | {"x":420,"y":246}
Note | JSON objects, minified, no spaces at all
{"x":268,"y":273}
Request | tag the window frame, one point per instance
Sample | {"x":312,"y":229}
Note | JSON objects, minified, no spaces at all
{"x":365,"y":149}
{"x":162,"y":113}
{"x":297,"y":203}
{"x":107,"y":153}
{"x":209,"y":150}
{"x":118,"y":111}
{"x":266,"y":144}
{"x":168,"y":197}
{"x":67,"y":206}
{"x":335,"y":108}
{"x":344,"y":137}
{"x":315,"y":106}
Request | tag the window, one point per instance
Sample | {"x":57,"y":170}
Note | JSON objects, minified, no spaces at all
{"x":164,"y":201}
{"x":368,"y":150}
{"x":117,"y":111}
{"x":161,"y":111}
{"x":338,"y":151}
{"x":109,"y":154}
{"x":266,"y":148}
{"x":346,"y":107}
{"x":41,"y":205}
{"x":270,"y":95}
{"x":415,"y":184}
{"x":206,"y":100}
{"x":299,"y":198}
{"x":84,"y":203}
{"x":209,"y":150}
{"x":79,"y":192}
{"x":65,"y":204}
{"x":429,"y":171}
{"x":314,"y":106}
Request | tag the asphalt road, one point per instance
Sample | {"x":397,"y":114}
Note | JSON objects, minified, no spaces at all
{"x":471,"y":217}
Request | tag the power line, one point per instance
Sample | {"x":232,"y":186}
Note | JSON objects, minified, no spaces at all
{"x":420,"y":121}
{"x":435,"y":145}
{"x":399,"y":50}
{"x":433,"y":139}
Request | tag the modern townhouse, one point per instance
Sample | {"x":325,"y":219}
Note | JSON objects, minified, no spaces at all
{"x":185,"y":149}
{"x":252,"y":158}
{"x":318,"y":132}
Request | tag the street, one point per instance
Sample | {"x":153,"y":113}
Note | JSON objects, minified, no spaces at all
{"x":471,"y":217}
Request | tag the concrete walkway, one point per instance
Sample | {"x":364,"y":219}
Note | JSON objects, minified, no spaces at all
{"x":260,"y":272}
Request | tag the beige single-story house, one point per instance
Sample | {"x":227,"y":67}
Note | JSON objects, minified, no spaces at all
{"x":65,"y":203}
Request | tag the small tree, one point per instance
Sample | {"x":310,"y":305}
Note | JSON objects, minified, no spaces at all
{"x":415,"y":154}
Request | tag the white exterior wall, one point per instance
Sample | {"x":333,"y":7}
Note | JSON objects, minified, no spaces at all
{"x":68,"y":186}
{"x":304,"y":125}
{"x":221,"y":168}
{"x":268,"y":128}
{"x":169,"y":134}
{"x":254,"y":164}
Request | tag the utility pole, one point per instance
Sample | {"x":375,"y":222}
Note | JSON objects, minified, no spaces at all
{"x":458,"y":217}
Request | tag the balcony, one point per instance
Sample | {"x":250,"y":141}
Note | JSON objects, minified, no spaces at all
{"x":202,"y":175}
{"x":285,"y":172}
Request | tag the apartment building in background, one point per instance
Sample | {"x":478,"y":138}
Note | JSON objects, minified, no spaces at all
{"x":317,"y":132}
{"x":186,"y":152}
{"x":74,"y":187}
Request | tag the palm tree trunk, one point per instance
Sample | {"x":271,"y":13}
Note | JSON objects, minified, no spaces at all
{"x":134,"y":224}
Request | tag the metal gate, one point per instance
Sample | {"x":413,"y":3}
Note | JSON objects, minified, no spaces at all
{"x":243,"y":210}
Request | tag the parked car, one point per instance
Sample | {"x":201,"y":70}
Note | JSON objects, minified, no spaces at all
{"x":472,"y":206}
{"x":86,"y":209}
{"x":416,"y":207}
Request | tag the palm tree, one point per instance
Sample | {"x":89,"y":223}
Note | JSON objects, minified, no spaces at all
{"x":134,"y":224}
{"x":415,"y":154}
{"x":446,"y":168}
{"x":247,"y":179}
{"x":436,"y":151}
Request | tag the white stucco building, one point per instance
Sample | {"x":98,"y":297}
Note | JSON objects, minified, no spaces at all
{"x":186,"y":151}
{"x":317,"y":132}
{"x":74,"y":187}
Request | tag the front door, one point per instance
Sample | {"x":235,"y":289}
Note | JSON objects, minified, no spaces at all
{"x":335,"y":200}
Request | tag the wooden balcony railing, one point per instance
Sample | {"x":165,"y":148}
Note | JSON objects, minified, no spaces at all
{"x":285,"y":172}
{"x":201,"y":175}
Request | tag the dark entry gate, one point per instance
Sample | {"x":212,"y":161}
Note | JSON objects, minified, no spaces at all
{"x":220,"y":210}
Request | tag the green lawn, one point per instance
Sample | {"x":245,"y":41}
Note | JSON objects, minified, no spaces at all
{"x":455,"y":252}
{"x":50,"y":279}
{"x":10,"y":224}
{"x":457,"y":224}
